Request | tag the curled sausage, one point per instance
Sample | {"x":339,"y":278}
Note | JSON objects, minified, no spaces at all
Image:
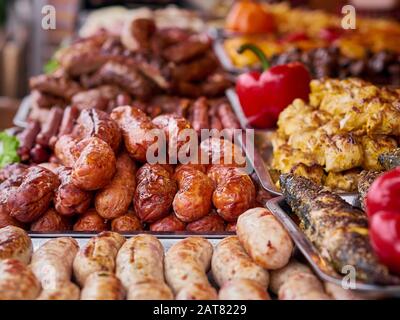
{"x":97,"y":255}
{"x":168,"y":224}
{"x":15,"y":244}
{"x":90,"y":221}
{"x":126,"y":223}
{"x":140,"y":260}
{"x":114,"y":199}
{"x":95,"y":166}
{"x":264,"y":238}
{"x":52,"y":263}
{"x":230,"y":261}
{"x":102,"y":285}
{"x":32,"y":197}
{"x":193,"y":200}
{"x":69,"y":199}
{"x":209,"y":223}
{"x":234,"y":191}
{"x":17,"y":281}
{"x":154,"y":193}
{"x":137,"y":130}
{"x":186,"y":266}
{"x":51,"y":220}
{"x":96,"y":123}
{"x":243,"y":289}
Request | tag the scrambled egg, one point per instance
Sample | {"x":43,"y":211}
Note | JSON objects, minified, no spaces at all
{"x":345,"y":126}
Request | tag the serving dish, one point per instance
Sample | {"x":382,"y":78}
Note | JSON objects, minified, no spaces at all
{"x":281,"y":210}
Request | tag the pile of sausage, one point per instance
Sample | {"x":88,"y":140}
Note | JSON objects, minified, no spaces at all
{"x":110,"y":267}
{"x":99,"y":179}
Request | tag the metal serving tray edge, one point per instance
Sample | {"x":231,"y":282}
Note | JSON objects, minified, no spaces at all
{"x":319,"y":265}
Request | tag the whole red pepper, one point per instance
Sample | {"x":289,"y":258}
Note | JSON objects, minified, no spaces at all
{"x":264,"y":95}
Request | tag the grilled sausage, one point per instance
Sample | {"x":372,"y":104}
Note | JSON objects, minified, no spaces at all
{"x":222,"y":152}
{"x":150,"y":290}
{"x":97,"y":255}
{"x":186,"y":266}
{"x":168,"y":224}
{"x":17,"y":281}
{"x":15,"y":244}
{"x":126,"y":223}
{"x":114,"y":199}
{"x":230,"y":261}
{"x":90,"y":221}
{"x":32,"y":197}
{"x":193,"y":200}
{"x":154,"y":193}
{"x":95,"y":165}
{"x":137,"y":130}
{"x":96,"y":123}
{"x":200,"y":115}
{"x":264,"y":238}
{"x":243,"y":289}
{"x":209,"y":223}
{"x":52,"y":262}
{"x":102,"y":285}
{"x":140,"y":260}
{"x":68,"y":198}
{"x":64,"y":291}
{"x":234,"y":191}
{"x":51,"y":221}
{"x":66,"y":150}
{"x":279,"y":276}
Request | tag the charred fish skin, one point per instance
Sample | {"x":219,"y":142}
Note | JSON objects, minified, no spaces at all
{"x":365,"y":181}
{"x":338,"y":230}
{"x":390,"y":160}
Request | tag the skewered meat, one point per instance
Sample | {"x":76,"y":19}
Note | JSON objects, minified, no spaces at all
{"x":33,"y":194}
{"x":339,"y":231}
{"x":154,"y":193}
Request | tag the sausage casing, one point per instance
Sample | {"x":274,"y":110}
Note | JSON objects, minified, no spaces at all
{"x":90,"y":221}
{"x":102,"y":285}
{"x":230,"y":261}
{"x":15,"y":244}
{"x":126,"y":223}
{"x":243,"y":289}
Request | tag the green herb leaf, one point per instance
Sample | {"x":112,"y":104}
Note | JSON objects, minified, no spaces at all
{"x":51,"y":66}
{"x":8,"y":149}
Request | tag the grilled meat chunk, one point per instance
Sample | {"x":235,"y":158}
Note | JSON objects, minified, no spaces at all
{"x":390,"y":160}
{"x":338,"y":230}
{"x":366,"y":178}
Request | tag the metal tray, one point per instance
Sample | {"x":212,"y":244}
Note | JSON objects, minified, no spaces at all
{"x":21,"y":117}
{"x":258,"y":163}
{"x":281,"y":210}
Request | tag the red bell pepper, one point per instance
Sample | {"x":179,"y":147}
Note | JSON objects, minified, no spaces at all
{"x":383,"y":208}
{"x":264,"y":95}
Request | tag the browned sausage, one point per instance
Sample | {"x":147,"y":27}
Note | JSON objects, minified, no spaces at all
{"x":95,"y":166}
{"x":32,"y":197}
{"x":114,"y":199}
{"x":168,"y":224}
{"x":69,"y":199}
{"x":15,"y":244}
{"x":154,"y":193}
{"x":136,"y":130}
{"x":234,"y":191}
{"x":66,"y":150}
{"x":200,"y":115}
{"x":209,"y":223}
{"x":90,"y":222}
{"x":126,"y":223}
{"x":193,"y":200}
{"x":51,"y":220}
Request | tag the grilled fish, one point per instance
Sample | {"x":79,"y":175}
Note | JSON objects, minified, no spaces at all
{"x":338,"y":230}
{"x":390,"y":160}
{"x":365,"y":180}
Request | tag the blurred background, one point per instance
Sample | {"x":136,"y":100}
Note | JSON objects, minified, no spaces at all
{"x":25,"y":47}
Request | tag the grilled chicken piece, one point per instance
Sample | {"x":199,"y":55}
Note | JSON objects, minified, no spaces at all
{"x":390,"y":160}
{"x":365,"y":180}
{"x":338,"y":230}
